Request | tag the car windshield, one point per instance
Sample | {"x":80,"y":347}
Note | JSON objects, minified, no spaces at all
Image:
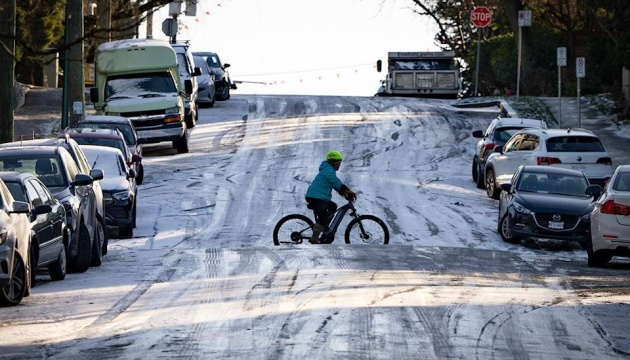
{"x":140,"y":83}
{"x":561,"y":184}
{"x":107,"y":162}
{"x":48,"y":168}
{"x":117,"y":144}
{"x":574,"y":144}
{"x":126,"y":129}
{"x":213,"y":61}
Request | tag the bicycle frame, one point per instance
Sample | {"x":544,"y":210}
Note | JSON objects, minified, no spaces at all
{"x":329,"y":235}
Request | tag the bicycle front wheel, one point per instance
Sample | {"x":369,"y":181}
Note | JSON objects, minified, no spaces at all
{"x":292,"y":230}
{"x":367,"y":229}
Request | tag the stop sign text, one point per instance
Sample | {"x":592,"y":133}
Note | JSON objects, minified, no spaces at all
{"x":480,"y":16}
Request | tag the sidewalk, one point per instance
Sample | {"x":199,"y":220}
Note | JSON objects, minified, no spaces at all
{"x":614,"y":138}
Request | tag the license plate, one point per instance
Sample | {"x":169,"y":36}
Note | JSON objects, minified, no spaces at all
{"x":581,"y":168}
{"x":556,"y":225}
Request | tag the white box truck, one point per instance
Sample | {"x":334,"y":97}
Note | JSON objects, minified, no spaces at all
{"x":139,"y":79}
{"x":421,"y":74}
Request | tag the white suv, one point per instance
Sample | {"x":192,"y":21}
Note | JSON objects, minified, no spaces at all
{"x":576,"y":149}
{"x":188,"y":71}
{"x":498,"y":133}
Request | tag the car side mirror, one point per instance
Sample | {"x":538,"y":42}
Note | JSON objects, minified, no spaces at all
{"x":96,"y":174}
{"x":477,"y":134}
{"x":506,"y":187}
{"x":498,"y":149}
{"x":225,"y":66}
{"x":132,"y":173}
{"x":41,"y":209}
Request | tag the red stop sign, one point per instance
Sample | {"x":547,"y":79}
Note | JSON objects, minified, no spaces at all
{"x":481,"y":16}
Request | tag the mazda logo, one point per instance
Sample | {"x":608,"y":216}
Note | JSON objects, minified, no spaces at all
{"x":557,"y":217}
{"x":579,"y":159}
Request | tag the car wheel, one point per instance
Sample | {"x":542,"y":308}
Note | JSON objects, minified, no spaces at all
{"x":33,"y":259}
{"x":196,"y":113}
{"x":506,"y":231}
{"x":491,"y":189}
{"x":140,"y":174}
{"x":57,"y":270}
{"x":15,"y":290}
{"x":212,"y":101}
{"x":133,"y":213}
{"x":475,"y":170}
{"x":597,"y":258}
{"x":99,"y":240}
{"x":81,"y":262}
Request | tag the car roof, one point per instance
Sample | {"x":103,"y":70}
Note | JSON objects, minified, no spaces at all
{"x":13,"y":176}
{"x":105,"y":119}
{"x":521,"y":121}
{"x":544,"y":169}
{"x":101,"y":149}
{"x":44,"y":150}
{"x":95,"y":133}
{"x":559,"y":132}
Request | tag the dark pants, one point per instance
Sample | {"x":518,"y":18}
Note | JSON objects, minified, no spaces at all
{"x":323,"y":210}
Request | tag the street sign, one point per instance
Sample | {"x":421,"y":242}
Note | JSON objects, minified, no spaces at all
{"x":169,"y":27}
{"x":580,"y":67}
{"x":562,"y":56}
{"x":481,"y":16}
{"x":524,"y":18}
{"x":175,"y":7}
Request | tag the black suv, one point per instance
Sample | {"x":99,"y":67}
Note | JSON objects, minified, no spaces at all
{"x":56,"y":169}
{"x":222,"y":82}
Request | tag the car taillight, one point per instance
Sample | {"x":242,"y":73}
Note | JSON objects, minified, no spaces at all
{"x":544,"y":160}
{"x":605,"y":161}
{"x":610,"y":207}
{"x":490,"y":146}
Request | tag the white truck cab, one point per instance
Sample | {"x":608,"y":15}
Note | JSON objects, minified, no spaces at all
{"x":139,"y":79}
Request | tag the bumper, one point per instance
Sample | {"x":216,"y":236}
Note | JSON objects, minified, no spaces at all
{"x":118,"y":215}
{"x":527,"y":226}
{"x":608,"y":234}
{"x":161,"y":134}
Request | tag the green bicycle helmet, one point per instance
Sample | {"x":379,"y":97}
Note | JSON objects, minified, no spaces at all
{"x":334,"y":155}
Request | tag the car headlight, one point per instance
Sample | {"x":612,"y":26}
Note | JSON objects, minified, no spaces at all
{"x":520,"y":208}
{"x":586,"y":217}
{"x":122,"y":195}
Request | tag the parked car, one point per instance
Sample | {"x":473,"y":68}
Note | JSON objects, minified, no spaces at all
{"x":222,"y":81}
{"x":56,"y":169}
{"x":206,"y":91}
{"x":73,"y":149}
{"x":103,"y":137}
{"x":576,"y":149}
{"x":188,"y":71}
{"x":126,"y":128}
{"x":546,"y":202}
{"x":498,"y":133}
{"x":119,"y":188}
{"x":48,"y":223}
{"x":15,"y":241}
{"x":610,"y":220}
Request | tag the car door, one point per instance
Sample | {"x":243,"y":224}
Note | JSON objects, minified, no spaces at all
{"x":50,"y":224}
{"x":85,"y":195}
{"x":506,"y":163}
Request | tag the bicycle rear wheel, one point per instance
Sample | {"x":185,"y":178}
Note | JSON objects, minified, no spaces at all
{"x":367,"y":229}
{"x":292,"y":230}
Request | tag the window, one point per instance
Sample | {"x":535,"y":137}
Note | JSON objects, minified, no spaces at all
{"x":33,"y":195}
{"x":529,"y":143}
{"x":574,"y":144}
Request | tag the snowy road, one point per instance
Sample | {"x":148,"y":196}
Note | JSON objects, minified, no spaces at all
{"x":201,"y":278}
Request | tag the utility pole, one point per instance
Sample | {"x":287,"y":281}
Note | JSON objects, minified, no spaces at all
{"x":103,"y":21}
{"x":74,"y":62}
{"x":7,"y":69}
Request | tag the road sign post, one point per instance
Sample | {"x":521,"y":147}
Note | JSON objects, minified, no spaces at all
{"x":562,"y":61}
{"x":580,"y":72}
{"x":480,"y":17}
{"x":524,"y":19}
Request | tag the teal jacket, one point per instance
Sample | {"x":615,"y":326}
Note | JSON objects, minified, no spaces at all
{"x":325,"y":181}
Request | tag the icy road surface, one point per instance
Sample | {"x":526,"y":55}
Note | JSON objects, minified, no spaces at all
{"x":201,"y":278}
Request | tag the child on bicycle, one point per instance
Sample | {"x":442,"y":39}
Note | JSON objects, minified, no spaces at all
{"x":319,"y":193}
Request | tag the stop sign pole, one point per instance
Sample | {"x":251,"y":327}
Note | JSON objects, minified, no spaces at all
{"x":480,"y":17}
